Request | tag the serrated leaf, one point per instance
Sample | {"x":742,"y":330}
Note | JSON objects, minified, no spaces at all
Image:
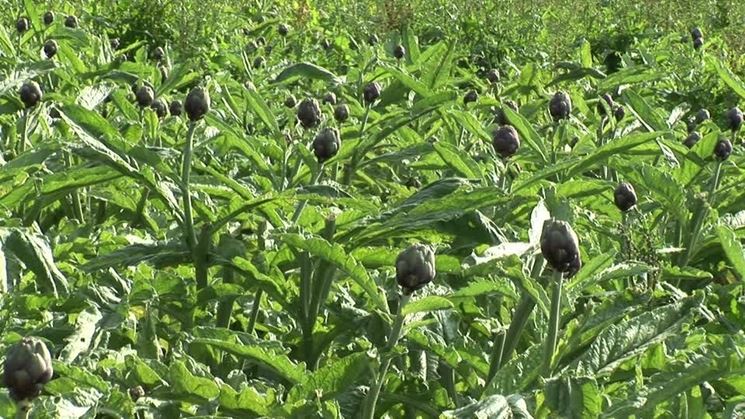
{"x":333,"y":378}
{"x":410,"y":82}
{"x":728,"y":77}
{"x":156,"y":254}
{"x":180,"y":76}
{"x":484,"y":287}
{"x":624,"y":340}
{"x":277,"y":362}
{"x":732,"y":248}
{"x":663,"y":386}
{"x":460,"y":162}
{"x":189,"y":386}
{"x":307,"y":71}
{"x":82,"y":337}
{"x":34,"y":251}
{"x":493,"y":407}
{"x":575,"y":397}
{"x":427,"y":304}
{"x":335,"y":254}
{"x":646,"y":113}
{"x":612,"y":149}
{"x":260,"y":108}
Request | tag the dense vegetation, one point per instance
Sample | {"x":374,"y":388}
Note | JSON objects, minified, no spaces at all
{"x":217,"y":211}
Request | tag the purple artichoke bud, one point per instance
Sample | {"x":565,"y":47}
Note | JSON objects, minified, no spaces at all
{"x":415,"y":268}
{"x":505,"y":141}
{"x":560,"y":106}
{"x":326,"y":144}
{"x":723,"y":149}
{"x":560,"y":246}
{"x":309,"y":113}
{"x":28,"y":366}
{"x":197,"y":103}
{"x":624,"y":196}
{"x":30,"y":93}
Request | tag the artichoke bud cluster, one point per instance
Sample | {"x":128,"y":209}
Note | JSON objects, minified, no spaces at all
{"x":734,"y":118}
{"x":22,"y":24}
{"x":399,"y":52}
{"x":50,"y":48}
{"x":145,"y":96}
{"x":692,"y":139}
{"x":175,"y":108}
{"x":493,"y":76}
{"x":71,"y":22}
{"x":723,"y":149}
{"x":471,"y":96}
{"x":341,"y":112}
{"x":30,"y":93}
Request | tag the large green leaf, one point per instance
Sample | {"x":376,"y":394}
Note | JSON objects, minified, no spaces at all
{"x":733,"y":249}
{"x":277,"y":362}
{"x":34,"y":251}
{"x":728,"y":77}
{"x":574,"y":397}
{"x":632,"y":337}
{"x":646,"y":112}
{"x":260,"y":108}
{"x":306,"y":71}
{"x":493,"y":407}
{"x":333,"y":378}
{"x":664,"y":386}
{"x":335,"y":254}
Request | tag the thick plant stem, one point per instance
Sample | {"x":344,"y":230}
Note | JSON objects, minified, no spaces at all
{"x":553,"y":323}
{"x":191,"y":239}
{"x":255,"y":311}
{"x":225,"y":306}
{"x":24,"y":409}
{"x":74,"y":195}
{"x":496,"y":358}
{"x":520,"y":318}
{"x":324,"y":273}
{"x":352,"y":167}
{"x":139,"y":215}
{"x":24,"y":132}
{"x":698,"y":224}
{"x":372,"y":396}
{"x":302,"y":204}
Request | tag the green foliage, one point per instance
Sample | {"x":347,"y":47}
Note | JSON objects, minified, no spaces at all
{"x":216,"y":267}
